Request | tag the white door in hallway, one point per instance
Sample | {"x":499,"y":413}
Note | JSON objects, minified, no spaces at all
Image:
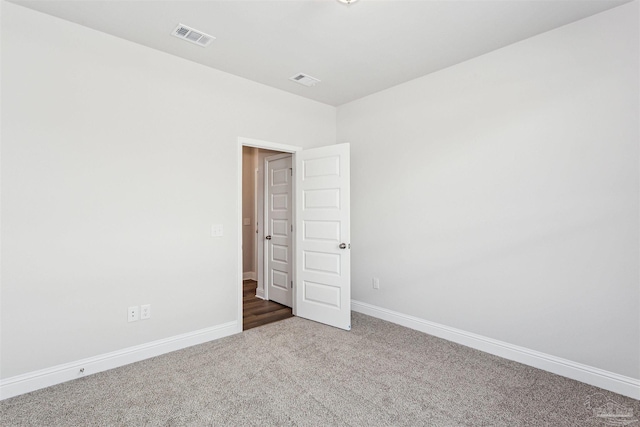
{"x":279,"y":225}
{"x":323,"y":262}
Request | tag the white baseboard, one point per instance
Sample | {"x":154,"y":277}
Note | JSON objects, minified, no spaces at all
{"x":32,"y":381}
{"x":260,"y":293}
{"x":620,"y":384}
{"x":249,"y":275}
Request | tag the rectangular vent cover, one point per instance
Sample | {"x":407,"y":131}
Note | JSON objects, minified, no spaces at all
{"x":194,"y":36}
{"x":304,"y":79}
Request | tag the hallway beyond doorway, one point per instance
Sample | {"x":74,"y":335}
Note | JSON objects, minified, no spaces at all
{"x":258,"y":312}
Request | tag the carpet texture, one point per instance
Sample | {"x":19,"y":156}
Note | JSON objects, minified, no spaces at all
{"x":300,"y":373}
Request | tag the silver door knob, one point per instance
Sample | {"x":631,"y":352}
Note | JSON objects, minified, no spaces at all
{"x":268,"y":237}
{"x":343,"y":246}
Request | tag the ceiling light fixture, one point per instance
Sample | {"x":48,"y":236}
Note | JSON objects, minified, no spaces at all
{"x":347,"y":2}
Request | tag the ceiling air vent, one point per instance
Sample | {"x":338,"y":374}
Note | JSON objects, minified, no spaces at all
{"x":304,"y":79}
{"x":194,"y":36}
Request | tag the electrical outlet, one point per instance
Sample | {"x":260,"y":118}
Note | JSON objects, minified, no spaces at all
{"x":145,"y":311}
{"x":376,"y":283}
{"x":132,"y":313}
{"x":217,"y":230}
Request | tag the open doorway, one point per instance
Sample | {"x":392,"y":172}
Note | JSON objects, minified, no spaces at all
{"x":320,"y":229}
{"x":267,"y":280}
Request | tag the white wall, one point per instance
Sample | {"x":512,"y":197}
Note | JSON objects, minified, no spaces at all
{"x":500,"y":196}
{"x":116,"y":160}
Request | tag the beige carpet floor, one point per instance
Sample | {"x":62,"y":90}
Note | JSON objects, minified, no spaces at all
{"x":300,"y":373}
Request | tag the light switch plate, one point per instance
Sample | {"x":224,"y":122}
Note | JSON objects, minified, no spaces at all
{"x":246,"y":221}
{"x":217,"y":230}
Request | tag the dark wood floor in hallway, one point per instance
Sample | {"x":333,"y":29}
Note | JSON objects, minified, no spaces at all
{"x":258,"y":312}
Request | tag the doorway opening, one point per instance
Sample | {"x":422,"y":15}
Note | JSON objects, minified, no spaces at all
{"x":267,"y":265}
{"x":318,"y":229}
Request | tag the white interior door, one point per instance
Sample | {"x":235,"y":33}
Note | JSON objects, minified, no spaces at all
{"x":323,"y":262}
{"x":278,"y":231}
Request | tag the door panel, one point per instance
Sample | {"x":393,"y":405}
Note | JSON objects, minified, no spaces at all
{"x":279,"y":221}
{"x":323,"y":267}
{"x":322,"y":199}
{"x":320,"y":293}
{"x":321,"y":262}
{"x":321,"y":231}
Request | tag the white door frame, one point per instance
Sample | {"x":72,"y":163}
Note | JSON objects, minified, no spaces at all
{"x":267,"y":145}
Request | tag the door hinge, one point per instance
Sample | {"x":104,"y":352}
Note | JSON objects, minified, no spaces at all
{"x":291,"y":170}
{"x":292,"y":284}
{"x":291,"y":227}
